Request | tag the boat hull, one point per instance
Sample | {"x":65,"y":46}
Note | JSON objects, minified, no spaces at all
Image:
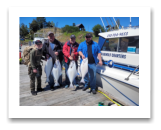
{"x":121,"y":92}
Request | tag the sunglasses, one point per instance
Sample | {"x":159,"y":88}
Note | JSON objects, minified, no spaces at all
{"x":39,"y":44}
{"x":88,"y":37}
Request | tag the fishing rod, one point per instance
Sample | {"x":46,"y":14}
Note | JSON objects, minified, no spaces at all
{"x":109,"y":26}
{"x":112,"y":23}
{"x":116,"y":22}
{"x":107,"y":21}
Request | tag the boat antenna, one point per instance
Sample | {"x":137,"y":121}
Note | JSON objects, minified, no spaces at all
{"x":130,"y":21}
{"x":111,"y":22}
{"x":103,"y":24}
{"x":116,"y":23}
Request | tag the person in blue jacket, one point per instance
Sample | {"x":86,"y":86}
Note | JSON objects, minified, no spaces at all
{"x":90,"y":49}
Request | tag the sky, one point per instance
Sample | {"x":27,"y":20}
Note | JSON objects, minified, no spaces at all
{"x":88,"y":22}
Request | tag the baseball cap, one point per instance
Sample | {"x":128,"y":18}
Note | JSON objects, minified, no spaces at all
{"x":72,"y":36}
{"x":38,"y":41}
{"x":50,"y":33}
{"x":88,"y":35}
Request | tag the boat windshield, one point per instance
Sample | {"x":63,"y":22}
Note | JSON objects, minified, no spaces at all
{"x":124,"y":44}
{"x":110,"y":44}
{"x":129,"y":45}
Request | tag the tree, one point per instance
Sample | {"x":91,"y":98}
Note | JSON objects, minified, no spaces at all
{"x":48,"y":24}
{"x":96,"y":29}
{"x":73,"y":24}
{"x":45,"y":24}
{"x":52,"y":23}
{"x":34,"y":26}
{"x":31,"y":34}
{"x":23,"y":30}
{"x":41,"y":22}
{"x":70,"y":29}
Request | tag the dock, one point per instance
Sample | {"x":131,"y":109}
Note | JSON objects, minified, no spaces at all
{"x":58,"y":97}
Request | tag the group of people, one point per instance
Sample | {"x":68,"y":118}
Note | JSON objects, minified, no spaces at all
{"x":69,"y":51}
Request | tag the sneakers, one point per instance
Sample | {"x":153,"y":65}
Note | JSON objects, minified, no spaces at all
{"x":51,"y":88}
{"x":56,"y":87}
{"x":93,"y":91}
{"x":76,"y":86}
{"x":84,"y":89}
{"x":34,"y":93}
{"x":40,"y":89}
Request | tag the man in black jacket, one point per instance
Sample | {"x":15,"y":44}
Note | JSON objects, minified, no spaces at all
{"x":53,"y":48}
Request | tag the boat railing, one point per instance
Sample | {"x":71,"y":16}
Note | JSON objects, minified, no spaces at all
{"x":136,"y":73}
{"x":131,"y":73}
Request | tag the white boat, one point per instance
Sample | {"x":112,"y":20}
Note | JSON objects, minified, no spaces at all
{"x":39,"y":36}
{"x":119,"y":74}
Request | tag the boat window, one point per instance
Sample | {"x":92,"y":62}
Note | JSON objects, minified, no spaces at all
{"x":110,"y":44}
{"x":129,"y":45}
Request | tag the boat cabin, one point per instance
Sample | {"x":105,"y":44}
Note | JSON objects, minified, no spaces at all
{"x":120,"y":46}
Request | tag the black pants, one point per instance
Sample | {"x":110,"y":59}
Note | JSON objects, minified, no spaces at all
{"x":33,"y":75}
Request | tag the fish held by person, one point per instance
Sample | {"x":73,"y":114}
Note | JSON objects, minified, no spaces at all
{"x":56,"y":72}
{"x":84,"y":69}
{"x":72,"y":73}
{"x":48,"y":68}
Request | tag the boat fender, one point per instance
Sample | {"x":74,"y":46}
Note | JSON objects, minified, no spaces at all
{"x":110,"y":63}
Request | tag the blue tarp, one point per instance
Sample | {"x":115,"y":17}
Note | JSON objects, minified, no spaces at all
{"x":101,"y":42}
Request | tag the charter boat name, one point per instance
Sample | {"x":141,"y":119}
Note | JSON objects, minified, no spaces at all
{"x":114,"y":55}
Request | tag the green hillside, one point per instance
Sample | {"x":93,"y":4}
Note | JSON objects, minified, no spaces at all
{"x":80,"y":37}
{"x":64,"y":37}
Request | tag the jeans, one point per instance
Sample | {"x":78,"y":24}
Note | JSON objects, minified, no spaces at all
{"x":67,"y":82}
{"x":90,"y":77}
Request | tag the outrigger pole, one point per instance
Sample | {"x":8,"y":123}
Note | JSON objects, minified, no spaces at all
{"x":116,"y":22}
{"x":103,"y":24}
{"x":111,"y":22}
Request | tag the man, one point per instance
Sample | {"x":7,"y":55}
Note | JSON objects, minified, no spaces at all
{"x":53,"y":48}
{"x":35,"y":69}
{"x":91,"y":50}
{"x":70,"y":53}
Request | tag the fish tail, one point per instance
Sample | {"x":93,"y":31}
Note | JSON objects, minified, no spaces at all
{"x":47,"y":80}
{"x":82,"y":81}
{"x":56,"y":84}
{"x":71,"y":86}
